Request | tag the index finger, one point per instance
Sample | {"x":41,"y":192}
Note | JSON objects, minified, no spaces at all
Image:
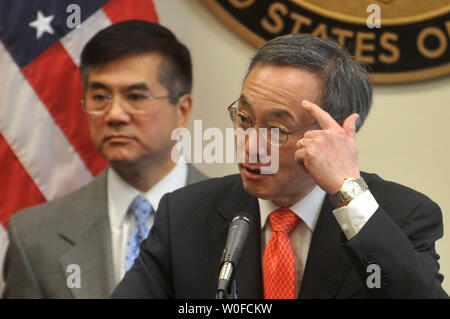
{"x":322,"y":117}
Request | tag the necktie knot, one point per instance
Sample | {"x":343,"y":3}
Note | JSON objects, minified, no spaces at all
{"x":283,"y":220}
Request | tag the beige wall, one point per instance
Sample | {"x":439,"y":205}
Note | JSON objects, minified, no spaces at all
{"x":405,"y":138}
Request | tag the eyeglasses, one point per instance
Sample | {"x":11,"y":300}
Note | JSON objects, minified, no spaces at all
{"x":134,"y":103}
{"x":243,"y":121}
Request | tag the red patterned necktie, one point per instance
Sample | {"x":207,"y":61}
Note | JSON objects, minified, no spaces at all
{"x":278,"y":261}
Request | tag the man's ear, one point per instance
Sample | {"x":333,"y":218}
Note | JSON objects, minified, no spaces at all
{"x":184,"y":107}
{"x":354,"y":122}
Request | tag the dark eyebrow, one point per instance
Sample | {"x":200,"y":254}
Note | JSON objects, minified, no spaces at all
{"x":243,"y":101}
{"x":279,"y":114}
{"x":137,"y":86}
{"x":97,"y":85}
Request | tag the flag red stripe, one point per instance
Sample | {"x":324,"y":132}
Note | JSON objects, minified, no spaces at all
{"x":120,"y":10}
{"x":18,"y":189}
{"x":60,"y":89}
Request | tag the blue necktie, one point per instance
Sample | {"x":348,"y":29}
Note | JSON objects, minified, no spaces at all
{"x":141,"y":209}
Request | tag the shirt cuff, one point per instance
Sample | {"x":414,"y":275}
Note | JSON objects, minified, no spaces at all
{"x":354,"y":216}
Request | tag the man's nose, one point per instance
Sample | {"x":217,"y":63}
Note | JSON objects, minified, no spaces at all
{"x":252,"y":146}
{"x":116,"y":113}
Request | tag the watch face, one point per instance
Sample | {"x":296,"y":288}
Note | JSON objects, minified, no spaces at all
{"x":352,"y":188}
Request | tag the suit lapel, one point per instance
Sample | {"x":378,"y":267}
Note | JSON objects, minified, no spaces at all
{"x":90,"y":236}
{"x":248,"y":272}
{"x":322,"y":279}
{"x":95,"y":261}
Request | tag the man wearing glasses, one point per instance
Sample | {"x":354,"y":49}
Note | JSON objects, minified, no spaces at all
{"x":319,"y":228}
{"x":137,"y":79}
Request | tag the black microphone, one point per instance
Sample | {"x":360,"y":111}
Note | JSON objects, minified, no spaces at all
{"x":237,"y":237}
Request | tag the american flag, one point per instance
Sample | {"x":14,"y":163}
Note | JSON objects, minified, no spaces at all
{"x":45,"y":146}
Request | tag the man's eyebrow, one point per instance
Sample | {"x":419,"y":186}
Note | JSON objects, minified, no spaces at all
{"x":97,"y":85}
{"x":137,"y":86}
{"x":243,"y":102}
{"x":278,"y":114}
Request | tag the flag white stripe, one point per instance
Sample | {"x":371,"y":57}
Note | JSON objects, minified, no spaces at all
{"x":75,"y":40}
{"x":35,"y":138}
{"x":3,"y":247}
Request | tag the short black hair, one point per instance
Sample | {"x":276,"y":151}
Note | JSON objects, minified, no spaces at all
{"x":134,"y":37}
{"x":346,"y":87}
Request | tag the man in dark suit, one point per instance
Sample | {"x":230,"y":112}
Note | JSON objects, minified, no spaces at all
{"x":137,"y":79}
{"x":319,"y":228}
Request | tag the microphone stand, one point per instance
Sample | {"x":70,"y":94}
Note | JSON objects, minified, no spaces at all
{"x":231,"y":292}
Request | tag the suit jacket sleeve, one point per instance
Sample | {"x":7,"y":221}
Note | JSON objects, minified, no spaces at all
{"x":405,"y":252}
{"x":19,"y":277}
{"x":150,"y":276}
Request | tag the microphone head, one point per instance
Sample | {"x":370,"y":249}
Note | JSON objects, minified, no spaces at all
{"x":237,"y":237}
{"x":241,"y":217}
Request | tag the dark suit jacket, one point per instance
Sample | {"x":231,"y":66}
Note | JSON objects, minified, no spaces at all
{"x":45,"y":239}
{"x":180,"y":258}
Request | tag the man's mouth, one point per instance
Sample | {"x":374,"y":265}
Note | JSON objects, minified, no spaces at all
{"x":117,"y":138}
{"x":253,"y":170}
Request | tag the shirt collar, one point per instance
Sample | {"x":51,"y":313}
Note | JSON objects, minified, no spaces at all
{"x":176,"y":178}
{"x":308,"y":208}
{"x":121,"y":194}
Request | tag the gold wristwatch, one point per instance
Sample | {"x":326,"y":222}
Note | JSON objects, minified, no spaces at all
{"x":351,"y":188}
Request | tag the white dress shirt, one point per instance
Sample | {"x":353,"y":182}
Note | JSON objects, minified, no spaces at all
{"x":120,"y":196}
{"x":351,"y":218}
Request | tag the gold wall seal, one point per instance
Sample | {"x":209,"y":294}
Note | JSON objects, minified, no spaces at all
{"x":400,"y":40}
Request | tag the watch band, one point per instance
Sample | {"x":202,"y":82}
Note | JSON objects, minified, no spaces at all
{"x":342,"y":197}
